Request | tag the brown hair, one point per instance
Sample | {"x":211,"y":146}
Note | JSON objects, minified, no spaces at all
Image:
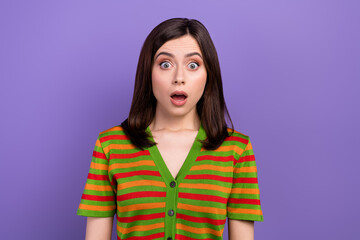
{"x":211,"y":106}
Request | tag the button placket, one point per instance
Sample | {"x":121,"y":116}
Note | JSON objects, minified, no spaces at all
{"x":172,"y":201}
{"x":171,"y":184}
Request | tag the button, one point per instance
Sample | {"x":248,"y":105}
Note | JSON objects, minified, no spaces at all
{"x":171,"y":212}
{"x":173,"y":184}
{"x":169,"y":238}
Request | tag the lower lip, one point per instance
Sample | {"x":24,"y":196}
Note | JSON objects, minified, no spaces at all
{"x":177,"y":102}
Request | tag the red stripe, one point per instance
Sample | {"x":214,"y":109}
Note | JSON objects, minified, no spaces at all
{"x":98,"y":198}
{"x":152,"y":236}
{"x":141,"y":217}
{"x":182,"y":237}
{"x":137,"y":173}
{"x":99,"y":155}
{"x":245,"y":180}
{"x":238,"y":139}
{"x":215,"y":158}
{"x":248,"y":158}
{"x":114,"y":182}
{"x":203,"y":197}
{"x":244,"y":201}
{"x":210,"y":177}
{"x":113,"y":137}
{"x":142,"y":194}
{"x":200,"y":219}
{"x":129,"y":155}
{"x":98,"y":177}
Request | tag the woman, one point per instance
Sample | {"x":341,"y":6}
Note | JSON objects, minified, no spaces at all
{"x":199,"y":171}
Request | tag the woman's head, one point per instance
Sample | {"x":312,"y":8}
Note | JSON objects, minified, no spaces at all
{"x":211,"y":105}
{"x":178,"y":66}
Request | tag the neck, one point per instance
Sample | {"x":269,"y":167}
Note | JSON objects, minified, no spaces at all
{"x":190,"y":121}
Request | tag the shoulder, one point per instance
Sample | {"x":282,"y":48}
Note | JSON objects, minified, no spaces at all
{"x":112,"y":133}
{"x":237,"y":136}
{"x":113,"y":130}
{"x":237,"y":140}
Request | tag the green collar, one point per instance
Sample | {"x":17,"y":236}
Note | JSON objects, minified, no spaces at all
{"x":189,"y":161}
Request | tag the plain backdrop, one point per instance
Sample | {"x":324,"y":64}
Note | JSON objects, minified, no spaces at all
{"x":290,"y":73}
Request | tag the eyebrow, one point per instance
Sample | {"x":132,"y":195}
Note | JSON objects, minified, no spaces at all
{"x":171,"y":55}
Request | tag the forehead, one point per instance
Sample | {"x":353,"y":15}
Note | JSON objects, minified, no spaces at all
{"x":183,"y":44}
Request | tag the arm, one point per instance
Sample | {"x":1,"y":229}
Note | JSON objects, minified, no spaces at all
{"x":99,"y":228}
{"x":240,"y":229}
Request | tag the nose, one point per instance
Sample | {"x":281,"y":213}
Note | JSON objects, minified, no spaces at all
{"x":179,"y":76}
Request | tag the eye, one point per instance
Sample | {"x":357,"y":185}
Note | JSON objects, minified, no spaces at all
{"x":165,"y":64}
{"x":194,"y":65}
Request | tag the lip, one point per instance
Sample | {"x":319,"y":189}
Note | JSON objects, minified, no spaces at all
{"x":177,"y":102}
{"x":178,"y":92}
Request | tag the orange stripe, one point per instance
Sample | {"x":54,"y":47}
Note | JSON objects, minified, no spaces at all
{"x":238,"y":150}
{"x":245,"y":190}
{"x":248,"y":147}
{"x":212,"y":167}
{"x":134,"y":207}
{"x":205,"y":186}
{"x":141,"y":183}
{"x":98,"y":187}
{"x":96,"y":208}
{"x":98,"y":144}
{"x":140,"y":228}
{"x":244,"y":211}
{"x":242,"y":135}
{"x":116,"y":128}
{"x":198,"y":230}
{"x":99,"y":166}
{"x":224,"y":148}
{"x":132,"y":164}
{"x":201,"y":209}
{"x":118,"y":146}
{"x":245,"y":169}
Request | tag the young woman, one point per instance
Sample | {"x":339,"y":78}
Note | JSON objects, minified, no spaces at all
{"x":173,"y":169}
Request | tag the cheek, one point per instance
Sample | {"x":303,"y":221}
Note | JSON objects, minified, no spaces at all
{"x":158,"y":77}
{"x":155,"y":82}
{"x":200,"y":82}
{"x":159,"y":87}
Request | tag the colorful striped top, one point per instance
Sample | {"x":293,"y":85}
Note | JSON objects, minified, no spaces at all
{"x":151,"y":204}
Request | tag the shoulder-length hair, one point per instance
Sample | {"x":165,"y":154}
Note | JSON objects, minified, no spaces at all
{"x":210,"y":107}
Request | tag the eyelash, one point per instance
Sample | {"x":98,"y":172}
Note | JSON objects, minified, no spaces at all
{"x":198,"y":65}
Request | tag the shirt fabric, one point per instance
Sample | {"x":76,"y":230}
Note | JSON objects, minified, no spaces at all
{"x":150,"y":203}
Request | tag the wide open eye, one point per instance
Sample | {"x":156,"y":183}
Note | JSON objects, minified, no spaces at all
{"x":165,"y":64}
{"x":194,"y":65}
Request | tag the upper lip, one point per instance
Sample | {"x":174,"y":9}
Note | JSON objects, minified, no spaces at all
{"x":179,"y":93}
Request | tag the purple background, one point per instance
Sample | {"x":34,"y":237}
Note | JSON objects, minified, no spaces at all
{"x":291,"y":81}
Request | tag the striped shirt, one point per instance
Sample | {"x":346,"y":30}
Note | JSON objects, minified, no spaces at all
{"x":150,"y":203}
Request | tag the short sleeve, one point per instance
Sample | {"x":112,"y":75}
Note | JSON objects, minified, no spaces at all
{"x":244,"y":199}
{"x":98,"y":198}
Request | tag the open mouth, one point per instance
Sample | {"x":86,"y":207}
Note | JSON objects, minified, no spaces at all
{"x":178,"y":97}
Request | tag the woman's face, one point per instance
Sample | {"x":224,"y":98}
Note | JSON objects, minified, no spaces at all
{"x":178,"y":66}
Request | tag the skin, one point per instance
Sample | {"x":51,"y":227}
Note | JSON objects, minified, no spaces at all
{"x":99,"y":228}
{"x":177,"y":73}
{"x":174,"y":128}
{"x":240,"y":229}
